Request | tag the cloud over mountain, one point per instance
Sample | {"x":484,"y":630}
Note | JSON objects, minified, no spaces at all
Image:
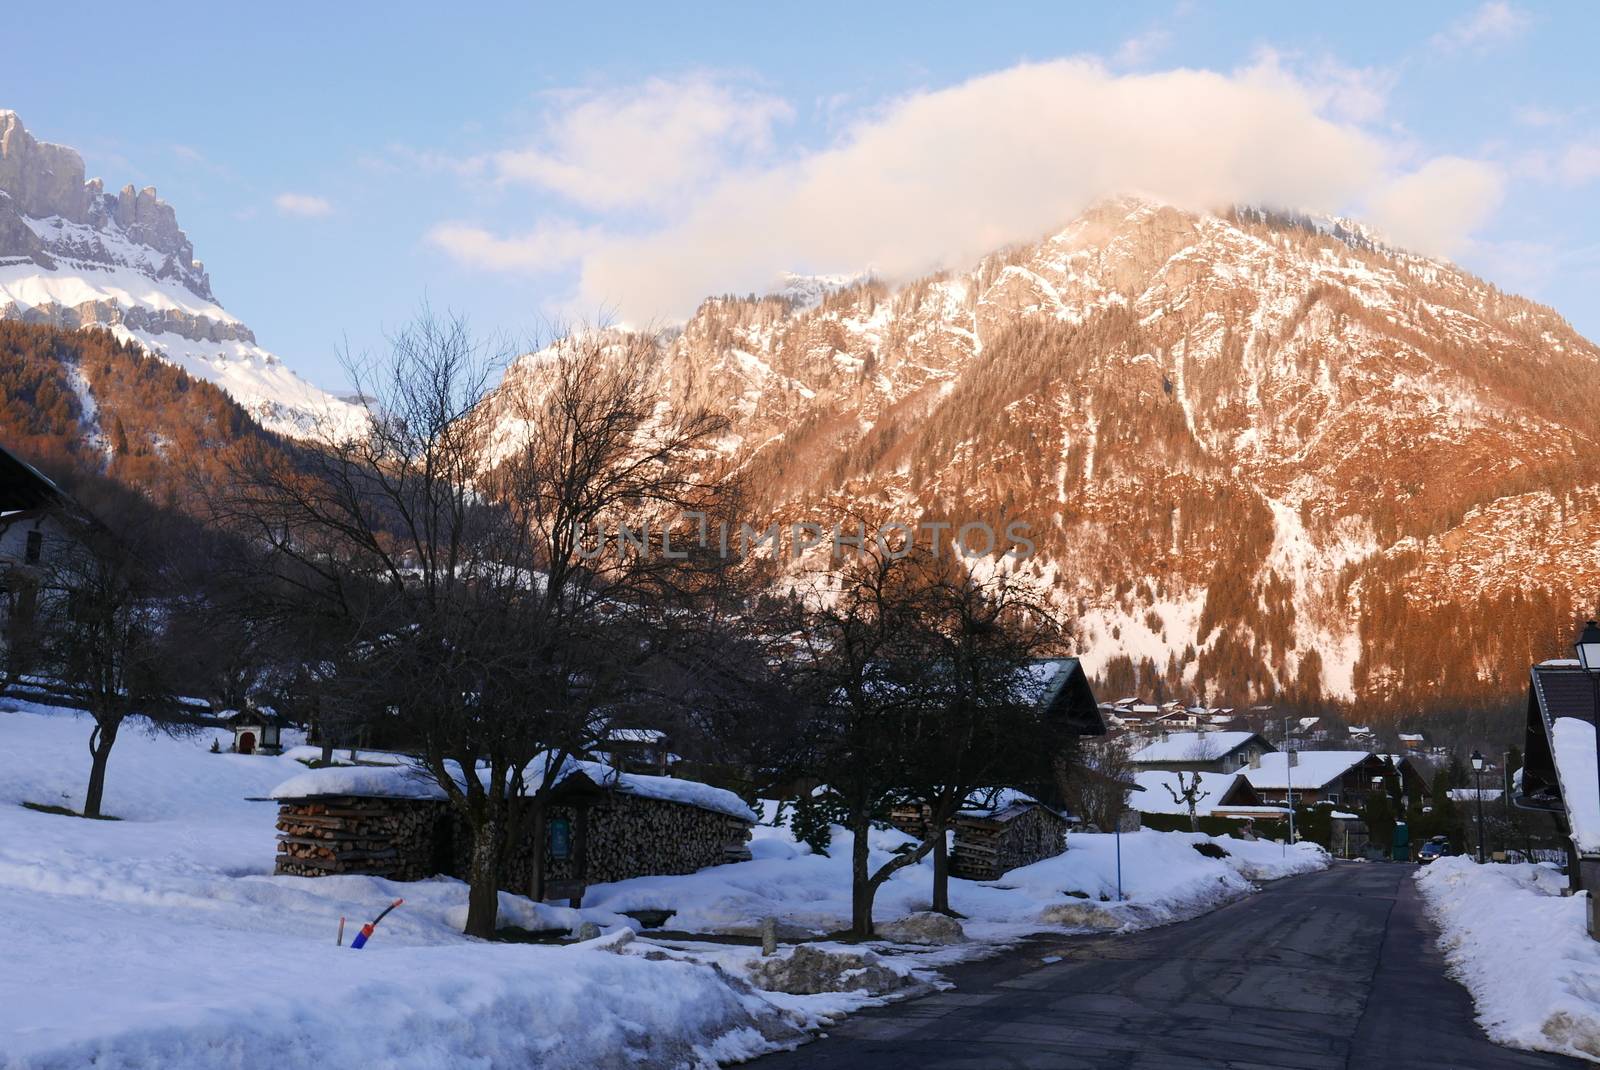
{"x":938,"y":177}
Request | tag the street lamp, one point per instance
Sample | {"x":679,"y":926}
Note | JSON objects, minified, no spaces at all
{"x":1477,"y":773}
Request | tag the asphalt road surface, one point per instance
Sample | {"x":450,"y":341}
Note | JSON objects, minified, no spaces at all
{"x":1332,"y":971}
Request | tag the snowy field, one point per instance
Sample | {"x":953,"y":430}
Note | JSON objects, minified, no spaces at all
{"x":1522,"y":950}
{"x":162,"y":940}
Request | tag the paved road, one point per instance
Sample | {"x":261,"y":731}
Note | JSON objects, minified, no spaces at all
{"x":1334,"y":970}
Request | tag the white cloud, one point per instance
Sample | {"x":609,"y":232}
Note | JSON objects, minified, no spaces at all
{"x":1141,"y":49}
{"x":302,"y":205}
{"x":646,"y":145}
{"x":547,"y":245}
{"x":1580,"y":163}
{"x":1489,"y":24}
{"x":1437,"y":206}
{"x":942,"y":177}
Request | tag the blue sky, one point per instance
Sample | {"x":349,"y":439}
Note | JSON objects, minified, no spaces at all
{"x":337,"y":165}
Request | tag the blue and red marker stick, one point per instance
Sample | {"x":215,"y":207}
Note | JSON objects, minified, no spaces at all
{"x":366,"y":930}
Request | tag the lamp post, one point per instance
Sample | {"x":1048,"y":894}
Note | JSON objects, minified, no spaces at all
{"x":1477,"y":774}
{"x":1377,"y":786}
{"x":1588,"y":648}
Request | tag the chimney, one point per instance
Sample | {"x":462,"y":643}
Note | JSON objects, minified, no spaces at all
{"x":1294,"y":758}
{"x":1162,"y":733}
{"x":1255,"y":759}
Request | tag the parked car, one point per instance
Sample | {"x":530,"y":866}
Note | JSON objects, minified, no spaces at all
{"x":1438,"y":847}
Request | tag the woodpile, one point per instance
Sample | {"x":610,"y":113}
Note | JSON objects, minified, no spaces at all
{"x":631,"y":836}
{"x":614,"y":837}
{"x":352,"y":834}
{"x":1020,"y":835}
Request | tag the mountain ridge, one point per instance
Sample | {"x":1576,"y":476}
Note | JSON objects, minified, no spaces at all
{"x":1378,"y":429}
{"x":73,"y":256}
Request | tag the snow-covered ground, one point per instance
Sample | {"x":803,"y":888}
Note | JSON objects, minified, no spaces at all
{"x":1522,"y":950}
{"x":162,"y":939}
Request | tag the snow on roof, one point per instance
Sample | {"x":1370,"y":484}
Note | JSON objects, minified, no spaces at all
{"x":1572,"y":746}
{"x":636,"y":735}
{"x":1159,"y":784}
{"x":993,"y":802}
{"x":1315,"y":768}
{"x":1471,"y":795}
{"x":1252,"y":811}
{"x":1191,"y":747}
{"x":409,"y":782}
{"x":1412,"y":737}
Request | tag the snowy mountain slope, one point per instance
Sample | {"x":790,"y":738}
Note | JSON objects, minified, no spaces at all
{"x":75,"y":256}
{"x":1261,"y":456}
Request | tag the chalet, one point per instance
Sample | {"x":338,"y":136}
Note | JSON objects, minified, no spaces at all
{"x":31,"y":508}
{"x":1413,"y":741}
{"x":255,"y":731}
{"x":1341,"y":778}
{"x":1558,"y":772}
{"x":1203,"y":752}
{"x":600,"y":825}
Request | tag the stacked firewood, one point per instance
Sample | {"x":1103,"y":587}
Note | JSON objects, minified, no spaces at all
{"x":986,"y":847}
{"x":349,"y":834}
{"x":630,"y":836}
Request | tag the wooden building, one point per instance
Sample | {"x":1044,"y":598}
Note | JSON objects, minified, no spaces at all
{"x":1558,"y":775}
{"x":600,"y":825}
{"x":1010,"y":831}
{"x":1201,"y":752}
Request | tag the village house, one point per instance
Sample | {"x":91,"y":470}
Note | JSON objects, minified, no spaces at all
{"x":31,"y":507}
{"x":1558,"y":774}
{"x":636,"y":750}
{"x":257,"y":730}
{"x":1205,"y":752}
{"x":600,"y":825}
{"x":1342,"y":778}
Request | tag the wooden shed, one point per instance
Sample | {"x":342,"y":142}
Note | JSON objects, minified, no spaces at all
{"x":1003,"y":832}
{"x":599,"y":826}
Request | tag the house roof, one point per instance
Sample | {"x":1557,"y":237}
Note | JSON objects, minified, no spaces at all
{"x":1063,"y":689}
{"x":1194,"y":747}
{"x":1314,"y":769}
{"x":1217,"y":790}
{"x":22,"y":486}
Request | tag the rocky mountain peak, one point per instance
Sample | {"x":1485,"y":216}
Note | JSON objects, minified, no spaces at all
{"x":73,"y":255}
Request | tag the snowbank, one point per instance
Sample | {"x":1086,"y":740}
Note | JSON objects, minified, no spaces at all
{"x":1522,"y":950}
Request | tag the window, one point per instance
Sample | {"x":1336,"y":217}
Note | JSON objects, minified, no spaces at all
{"x":1333,"y":797}
{"x":35,"y":544}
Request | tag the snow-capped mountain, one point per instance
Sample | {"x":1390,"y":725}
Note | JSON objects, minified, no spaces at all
{"x":74,"y":255}
{"x":1260,"y":456}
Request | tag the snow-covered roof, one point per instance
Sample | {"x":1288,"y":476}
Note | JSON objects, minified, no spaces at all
{"x":1191,"y":747}
{"x":635,"y":735}
{"x":1314,"y":769}
{"x":1159,"y":784}
{"x":1471,"y":794}
{"x":1412,"y":737}
{"x":996,"y":803}
{"x":1572,"y":745}
{"x":409,"y":782}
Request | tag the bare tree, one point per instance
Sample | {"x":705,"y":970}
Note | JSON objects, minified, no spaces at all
{"x":106,"y":606}
{"x":1189,"y":794}
{"x":918,"y":691}
{"x":458,"y":545}
{"x":1096,"y":784}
